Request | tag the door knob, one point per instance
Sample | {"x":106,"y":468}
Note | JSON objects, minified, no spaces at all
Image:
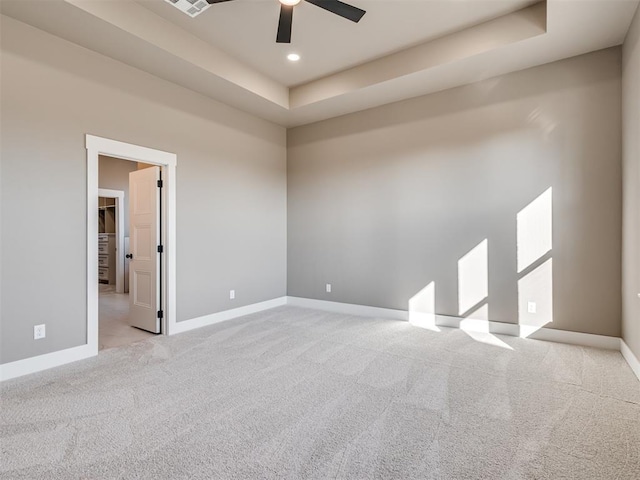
{"x":129,"y":255}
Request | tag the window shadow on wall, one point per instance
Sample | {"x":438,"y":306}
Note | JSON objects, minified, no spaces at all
{"x":534,"y":242}
{"x":535,"y":265}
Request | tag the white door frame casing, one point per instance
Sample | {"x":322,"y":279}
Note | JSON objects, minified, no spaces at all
{"x":97,"y":146}
{"x":119,"y":196}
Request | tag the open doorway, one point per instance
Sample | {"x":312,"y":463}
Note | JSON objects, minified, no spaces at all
{"x":151,"y":204}
{"x":115,"y":323}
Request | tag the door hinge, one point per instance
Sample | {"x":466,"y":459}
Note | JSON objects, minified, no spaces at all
{"x":160,"y":249}
{"x":160,"y":314}
{"x":159,"y":183}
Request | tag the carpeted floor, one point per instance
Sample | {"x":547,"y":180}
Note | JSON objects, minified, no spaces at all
{"x":295,"y":393}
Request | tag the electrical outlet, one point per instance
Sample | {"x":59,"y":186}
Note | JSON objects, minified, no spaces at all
{"x":532,"y":307}
{"x":328,"y":288}
{"x":39,"y":332}
{"x":232,"y":294}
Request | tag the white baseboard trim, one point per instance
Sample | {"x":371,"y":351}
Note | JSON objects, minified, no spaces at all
{"x":631,"y":359}
{"x":20,"y":368}
{"x":577,"y":338}
{"x":471,"y":325}
{"x":44,"y":362}
{"x":55,"y":359}
{"x":218,"y":317}
{"x":348,"y":308}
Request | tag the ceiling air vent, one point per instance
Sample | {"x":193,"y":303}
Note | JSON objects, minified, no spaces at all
{"x":192,"y":8}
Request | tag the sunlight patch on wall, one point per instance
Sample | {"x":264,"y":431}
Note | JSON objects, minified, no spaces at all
{"x":473,"y":277}
{"x":544,"y":123}
{"x":480,"y":313}
{"x":422,"y":308}
{"x":534,"y":230}
{"x":535,"y":288}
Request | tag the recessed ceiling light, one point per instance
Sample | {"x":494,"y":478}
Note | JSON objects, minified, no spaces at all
{"x":291,"y":3}
{"x":293,"y":57}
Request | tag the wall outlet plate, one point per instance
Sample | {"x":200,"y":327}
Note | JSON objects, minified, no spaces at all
{"x":532,"y":307}
{"x":328,"y":288}
{"x":232,"y":294}
{"x":39,"y":331}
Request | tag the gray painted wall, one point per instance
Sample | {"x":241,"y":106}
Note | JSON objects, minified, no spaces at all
{"x":381,"y":203}
{"x":231,"y":187}
{"x":113,"y":174}
{"x":631,"y":189}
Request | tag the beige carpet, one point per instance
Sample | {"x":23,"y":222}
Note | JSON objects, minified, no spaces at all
{"x":296,"y":394}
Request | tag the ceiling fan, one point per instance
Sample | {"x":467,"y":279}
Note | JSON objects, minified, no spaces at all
{"x":334,"y":6}
{"x":195,"y":7}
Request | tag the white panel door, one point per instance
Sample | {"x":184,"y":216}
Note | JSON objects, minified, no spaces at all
{"x":144,"y":233}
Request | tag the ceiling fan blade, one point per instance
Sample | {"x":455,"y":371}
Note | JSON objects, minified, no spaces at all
{"x":285,"y":23}
{"x":211,"y":2}
{"x":340,"y":8}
